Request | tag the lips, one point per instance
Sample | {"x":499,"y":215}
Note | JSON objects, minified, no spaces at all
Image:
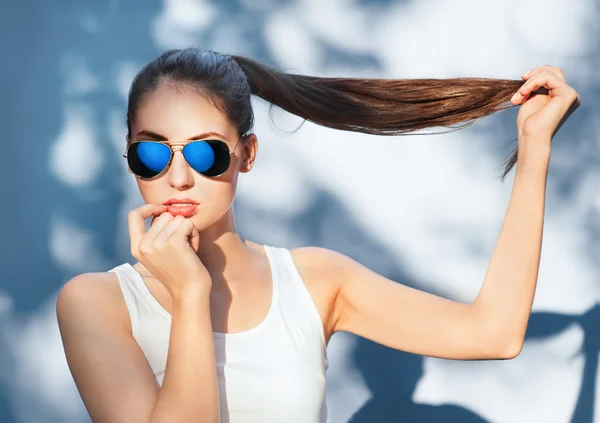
{"x":185,"y":210}
{"x":181,"y":206}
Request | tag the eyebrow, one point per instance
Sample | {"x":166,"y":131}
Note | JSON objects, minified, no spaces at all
{"x":159,"y":137}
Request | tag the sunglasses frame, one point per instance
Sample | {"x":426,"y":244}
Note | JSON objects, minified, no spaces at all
{"x":180,"y":146}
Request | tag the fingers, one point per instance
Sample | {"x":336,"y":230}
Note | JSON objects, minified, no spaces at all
{"x":137,"y":228}
{"x":549,"y":80}
{"x":187,"y":231}
{"x":536,"y":72}
{"x":169,"y":230}
{"x":555,"y":70}
{"x":545,"y":79}
{"x":158,"y":225}
{"x":166,"y":231}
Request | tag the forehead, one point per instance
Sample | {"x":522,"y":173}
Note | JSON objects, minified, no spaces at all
{"x":179,"y":113}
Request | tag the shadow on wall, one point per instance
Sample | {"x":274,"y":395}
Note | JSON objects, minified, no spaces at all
{"x":548,"y":324}
{"x":392,"y":376}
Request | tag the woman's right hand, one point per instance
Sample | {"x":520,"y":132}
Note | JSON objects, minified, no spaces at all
{"x":168,"y":250}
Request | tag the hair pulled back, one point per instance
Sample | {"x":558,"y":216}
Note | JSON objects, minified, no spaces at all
{"x":368,"y":105}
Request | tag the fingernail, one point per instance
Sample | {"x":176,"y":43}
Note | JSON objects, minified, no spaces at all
{"x":514,"y":97}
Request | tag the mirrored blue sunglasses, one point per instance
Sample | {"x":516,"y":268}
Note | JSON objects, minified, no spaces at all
{"x":150,"y":159}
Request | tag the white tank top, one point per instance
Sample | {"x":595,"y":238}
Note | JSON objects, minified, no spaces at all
{"x":274,"y":372}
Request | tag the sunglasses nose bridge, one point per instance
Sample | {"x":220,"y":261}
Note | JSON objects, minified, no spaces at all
{"x":180,"y":173}
{"x":174,"y":150}
{"x":176,"y":158}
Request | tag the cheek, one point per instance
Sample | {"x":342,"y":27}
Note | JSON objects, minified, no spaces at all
{"x":216,"y":199}
{"x":217,"y":194}
{"x":150,"y":191}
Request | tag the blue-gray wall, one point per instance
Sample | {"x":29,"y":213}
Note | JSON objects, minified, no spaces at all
{"x":428,"y":219}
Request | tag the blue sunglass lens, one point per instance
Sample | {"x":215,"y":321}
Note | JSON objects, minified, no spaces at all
{"x":147,"y":159}
{"x":208,"y":157}
{"x":199,"y":155}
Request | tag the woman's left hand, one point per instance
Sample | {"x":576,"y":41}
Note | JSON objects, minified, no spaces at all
{"x":543,"y":113}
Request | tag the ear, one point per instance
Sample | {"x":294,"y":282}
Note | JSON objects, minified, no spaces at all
{"x":250,"y":150}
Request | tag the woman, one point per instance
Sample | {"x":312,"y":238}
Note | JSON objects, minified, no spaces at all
{"x":210,"y":327}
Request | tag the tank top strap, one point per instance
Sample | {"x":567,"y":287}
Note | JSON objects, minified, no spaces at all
{"x":294,"y":294}
{"x":130,"y":294}
{"x":138,"y":298}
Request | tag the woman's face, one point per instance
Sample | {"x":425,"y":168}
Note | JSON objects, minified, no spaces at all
{"x":174,"y":116}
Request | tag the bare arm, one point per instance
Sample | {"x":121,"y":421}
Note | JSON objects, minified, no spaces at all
{"x":494,"y":325}
{"x":189,"y":391}
{"x":404,"y":318}
{"x":112,"y":375}
{"x":504,"y":302}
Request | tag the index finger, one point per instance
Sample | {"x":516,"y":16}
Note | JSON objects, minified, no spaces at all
{"x":137,"y":227}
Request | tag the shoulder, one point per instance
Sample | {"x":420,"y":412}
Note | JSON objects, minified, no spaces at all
{"x":93,"y":293}
{"x":327,"y":269}
{"x":84,"y":286}
{"x":320,"y":259}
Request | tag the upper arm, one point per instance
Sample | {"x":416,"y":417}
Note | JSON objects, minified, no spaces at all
{"x":112,"y":375}
{"x":398,"y":316}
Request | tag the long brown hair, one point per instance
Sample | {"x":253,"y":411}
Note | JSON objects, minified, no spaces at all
{"x":383,"y":106}
{"x":372,"y":106}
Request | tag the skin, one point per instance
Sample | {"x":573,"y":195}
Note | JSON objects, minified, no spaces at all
{"x":348,"y":296}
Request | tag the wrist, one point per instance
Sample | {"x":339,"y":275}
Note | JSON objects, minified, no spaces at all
{"x":192,"y":292}
{"x":533,"y":156}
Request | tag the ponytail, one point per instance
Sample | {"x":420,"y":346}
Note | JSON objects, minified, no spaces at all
{"x":382,"y":106}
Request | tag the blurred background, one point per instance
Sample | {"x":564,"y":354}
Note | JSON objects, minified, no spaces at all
{"x":423,"y":210}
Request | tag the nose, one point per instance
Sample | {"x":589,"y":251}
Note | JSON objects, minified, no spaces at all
{"x":180,"y":173}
